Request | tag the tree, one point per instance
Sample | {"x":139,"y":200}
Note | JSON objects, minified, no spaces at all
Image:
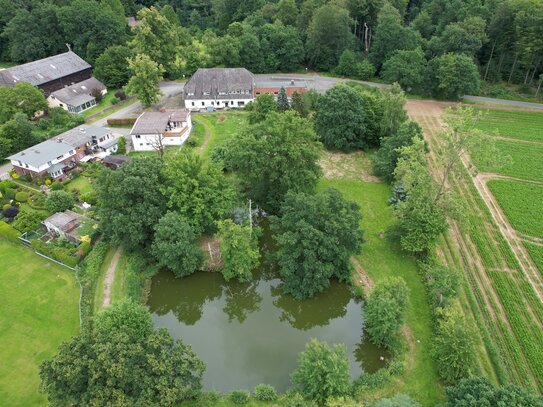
{"x":454,"y":345}
{"x":22,"y":98}
{"x":144,"y":81}
{"x":282,"y":100}
{"x":197,"y":190}
{"x":347,"y":64}
{"x":131,"y":203}
{"x":328,"y":35}
{"x":281,"y":47}
{"x":59,"y":201}
{"x":322,"y":372}
{"x":239,"y":250}
{"x":465,"y":37}
{"x":422,"y":214}
{"x":339,"y":119}
{"x":316,"y":236}
{"x":275,"y":156}
{"x":261,"y":108}
{"x":394,"y":115}
{"x":453,"y":75}
{"x":115,"y":7}
{"x":287,"y":12}
{"x":121,"y":146}
{"x":112,"y":66}
{"x":386,"y":158}
{"x":156,"y":37}
{"x":304,"y":103}
{"x":16,"y":135}
{"x":385,"y":309}
{"x":408,"y":68}
{"x":122,"y":361}
{"x":28,"y":221}
{"x":479,"y":392}
{"x":391,"y":36}
{"x":174,"y":245}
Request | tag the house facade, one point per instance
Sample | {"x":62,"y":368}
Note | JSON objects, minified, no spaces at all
{"x":53,"y":158}
{"x":78,"y":97}
{"x":156,"y":130}
{"x":218,"y":88}
{"x":49,"y":74}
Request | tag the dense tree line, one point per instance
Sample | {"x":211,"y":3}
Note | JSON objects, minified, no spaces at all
{"x":432,"y":46}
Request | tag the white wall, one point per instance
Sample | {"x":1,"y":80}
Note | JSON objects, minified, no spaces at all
{"x":215,"y":103}
{"x":148,"y":142}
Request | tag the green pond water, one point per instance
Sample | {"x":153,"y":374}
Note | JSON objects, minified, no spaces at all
{"x":251,"y":333}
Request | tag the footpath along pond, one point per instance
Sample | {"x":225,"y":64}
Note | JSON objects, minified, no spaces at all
{"x":252,"y":333}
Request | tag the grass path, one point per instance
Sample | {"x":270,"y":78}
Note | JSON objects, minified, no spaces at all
{"x":109,"y":278}
{"x":39,"y":311}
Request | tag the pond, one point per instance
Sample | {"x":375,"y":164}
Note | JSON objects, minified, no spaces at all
{"x":252,"y":333}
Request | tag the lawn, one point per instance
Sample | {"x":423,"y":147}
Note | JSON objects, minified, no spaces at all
{"x":39,"y":311}
{"x":221,"y":126}
{"x":81,"y":183}
{"x":514,"y":124}
{"x":380,"y":258}
{"x":525,"y":163}
{"x":104,"y":103}
{"x":522,"y":204}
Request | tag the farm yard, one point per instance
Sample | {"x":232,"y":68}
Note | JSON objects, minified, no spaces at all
{"x":502,"y":288}
{"x":39,"y":311}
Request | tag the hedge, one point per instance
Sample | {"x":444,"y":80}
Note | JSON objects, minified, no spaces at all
{"x":10,"y":193}
{"x":21,"y":196}
{"x":123,"y":121}
{"x":8,"y":232}
{"x":60,"y":254}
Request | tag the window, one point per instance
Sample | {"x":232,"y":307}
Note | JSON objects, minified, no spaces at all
{"x":258,"y":93}
{"x":71,"y":152}
{"x":141,"y":144}
{"x":138,"y":136}
{"x":60,"y":157}
{"x":192,"y":103}
{"x":26,"y":165}
{"x":203,"y":104}
{"x":49,"y":163}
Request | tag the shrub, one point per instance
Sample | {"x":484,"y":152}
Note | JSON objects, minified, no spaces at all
{"x":265,"y":392}
{"x":8,"y":232}
{"x":296,"y":400}
{"x":21,"y":196}
{"x":59,"y":201}
{"x":47,"y":182}
{"x":10,"y":212}
{"x":10,"y":193}
{"x":27,"y":221}
{"x":121,"y":146}
{"x":97,"y":94}
{"x":90,"y":197}
{"x":6,"y":206}
{"x":120,"y":94}
{"x":114,"y":100}
{"x":239,"y":397}
{"x":56,"y":186}
{"x":365,"y":70}
{"x":63,"y":255}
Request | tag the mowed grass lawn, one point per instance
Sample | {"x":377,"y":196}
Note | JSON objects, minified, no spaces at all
{"x":39,"y":311}
{"x":514,"y":124}
{"x":522,"y":203}
{"x":380,"y":258}
{"x":222,"y":126}
{"x":81,"y":183}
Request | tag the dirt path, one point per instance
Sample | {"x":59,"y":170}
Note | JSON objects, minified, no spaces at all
{"x":109,"y":277}
{"x":207,"y":137}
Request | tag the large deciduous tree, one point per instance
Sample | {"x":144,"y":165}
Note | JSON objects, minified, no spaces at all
{"x":322,"y":372}
{"x":22,"y":98}
{"x":239,"y":250}
{"x":16,"y":135}
{"x":316,"y":236}
{"x":59,"y":201}
{"x":174,"y":245}
{"x":453,"y":75}
{"x":275,"y":156}
{"x":197,"y":190}
{"x":156,"y":37}
{"x":143,"y":83}
{"x":408,"y":68}
{"x":384,"y":311}
{"x":261,"y":108}
{"x":328,"y":35}
{"x":394,"y":114}
{"x":112,"y":66}
{"x":122,"y":361}
{"x":340,"y":119}
{"x":131,"y":203}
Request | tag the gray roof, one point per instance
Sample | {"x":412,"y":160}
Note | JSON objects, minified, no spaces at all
{"x":49,"y":150}
{"x":116,"y":159}
{"x":46,"y":69}
{"x":217,"y":80}
{"x":79,"y":136}
{"x":78,"y":93}
{"x":55,"y":168}
{"x":66,"y":220}
{"x":40,"y":154}
{"x":156,"y":122}
{"x":281,"y":82}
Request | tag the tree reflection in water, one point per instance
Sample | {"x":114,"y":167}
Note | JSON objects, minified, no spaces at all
{"x":242,"y":299}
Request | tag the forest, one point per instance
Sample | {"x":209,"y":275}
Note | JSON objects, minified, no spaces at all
{"x":440,"y":47}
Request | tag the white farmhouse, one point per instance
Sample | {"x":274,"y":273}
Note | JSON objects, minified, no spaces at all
{"x":217,"y":88}
{"x":156,"y":130}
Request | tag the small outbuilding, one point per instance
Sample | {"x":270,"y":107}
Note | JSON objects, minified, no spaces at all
{"x":65,"y":224}
{"x":115,"y":161}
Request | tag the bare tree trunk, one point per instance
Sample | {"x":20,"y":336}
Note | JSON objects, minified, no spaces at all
{"x":527,"y":75}
{"x":535,"y":70}
{"x":539,"y":86}
{"x":366,"y":43}
{"x":513,"y":69}
{"x":489,"y":61}
{"x":500,"y":64}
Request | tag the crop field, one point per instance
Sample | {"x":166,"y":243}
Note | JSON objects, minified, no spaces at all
{"x":525,"y":162}
{"x":522,"y":203}
{"x":502,"y":293}
{"x":536,"y":253}
{"x":513,"y":124}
